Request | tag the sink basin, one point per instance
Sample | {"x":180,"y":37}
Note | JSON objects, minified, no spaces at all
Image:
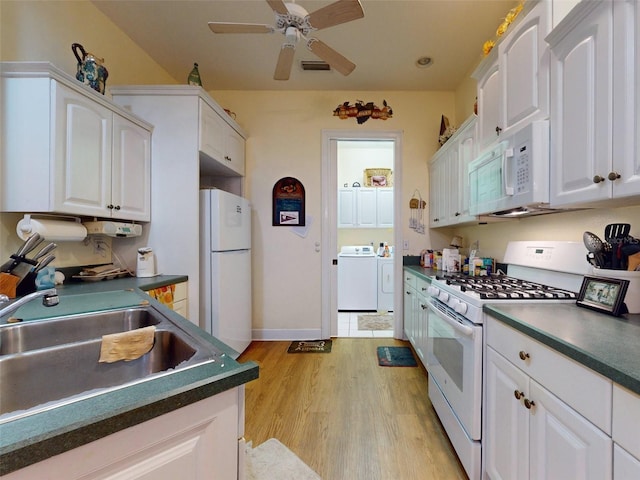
{"x":50,"y":362}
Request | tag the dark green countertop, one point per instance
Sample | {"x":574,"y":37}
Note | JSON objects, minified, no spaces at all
{"x":425,"y":273}
{"x":606,"y":344}
{"x":30,"y":439}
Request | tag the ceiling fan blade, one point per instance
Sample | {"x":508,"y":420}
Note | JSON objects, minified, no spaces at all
{"x":329,"y":55}
{"x":230,"y":27}
{"x":285,"y":62}
{"x":278,"y":6}
{"x":336,"y":13}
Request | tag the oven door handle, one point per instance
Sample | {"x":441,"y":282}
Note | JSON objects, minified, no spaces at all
{"x":467,"y":331}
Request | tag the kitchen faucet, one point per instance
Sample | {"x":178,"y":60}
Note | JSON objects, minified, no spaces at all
{"x":49,"y":299}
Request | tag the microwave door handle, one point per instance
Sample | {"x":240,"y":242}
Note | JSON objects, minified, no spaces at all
{"x":463,"y":329}
{"x":507,"y":189}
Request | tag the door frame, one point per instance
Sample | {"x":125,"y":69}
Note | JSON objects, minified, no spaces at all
{"x":329,"y":237}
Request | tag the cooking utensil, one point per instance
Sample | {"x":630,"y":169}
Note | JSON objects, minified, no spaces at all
{"x":595,"y":245}
{"x":44,"y":262}
{"x":44,"y":250}
{"x":29,"y":244}
{"x":615,"y":234}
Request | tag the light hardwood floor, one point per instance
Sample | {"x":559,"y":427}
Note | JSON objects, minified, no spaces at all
{"x":345,"y":416}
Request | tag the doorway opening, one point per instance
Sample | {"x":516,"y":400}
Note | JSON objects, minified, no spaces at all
{"x":361,"y":208}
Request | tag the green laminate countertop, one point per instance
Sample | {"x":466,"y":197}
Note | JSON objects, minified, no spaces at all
{"x":424,"y":273}
{"x":30,"y":439}
{"x":606,"y":344}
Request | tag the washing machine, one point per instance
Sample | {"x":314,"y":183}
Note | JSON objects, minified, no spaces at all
{"x":357,"y":278}
{"x":385,"y":284}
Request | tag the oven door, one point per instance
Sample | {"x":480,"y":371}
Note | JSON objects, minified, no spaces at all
{"x":454,"y":360}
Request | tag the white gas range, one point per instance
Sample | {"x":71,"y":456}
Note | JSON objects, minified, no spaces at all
{"x":538,"y":271}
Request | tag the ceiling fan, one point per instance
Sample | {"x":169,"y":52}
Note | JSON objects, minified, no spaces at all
{"x":295,"y":23}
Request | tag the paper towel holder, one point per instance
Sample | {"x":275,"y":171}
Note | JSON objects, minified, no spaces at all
{"x":51,"y":227}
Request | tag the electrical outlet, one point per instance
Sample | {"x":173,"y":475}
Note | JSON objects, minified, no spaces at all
{"x":406,"y":245}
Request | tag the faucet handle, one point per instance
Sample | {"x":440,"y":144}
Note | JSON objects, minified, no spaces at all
{"x":3,"y":298}
{"x":50,"y":300}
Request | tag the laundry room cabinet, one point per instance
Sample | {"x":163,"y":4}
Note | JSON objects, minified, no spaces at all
{"x":595,"y":119}
{"x":362,"y":207}
{"x":67,"y":149}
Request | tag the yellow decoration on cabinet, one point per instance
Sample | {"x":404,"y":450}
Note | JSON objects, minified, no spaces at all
{"x":164,"y":295}
{"x":502,"y":28}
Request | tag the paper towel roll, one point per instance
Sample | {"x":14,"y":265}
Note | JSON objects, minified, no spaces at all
{"x":52,"y":230}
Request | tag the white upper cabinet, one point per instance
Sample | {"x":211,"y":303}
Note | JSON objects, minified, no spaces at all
{"x":513,"y":81}
{"x":219,"y":141}
{"x":66,"y":149}
{"x":595,"y":119}
{"x":363,"y":207}
{"x":449,"y":178}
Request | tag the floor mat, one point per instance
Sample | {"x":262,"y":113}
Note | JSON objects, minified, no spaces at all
{"x":310,"y":346}
{"x":373,"y":321}
{"x":272,"y":460}
{"x":396,"y":357}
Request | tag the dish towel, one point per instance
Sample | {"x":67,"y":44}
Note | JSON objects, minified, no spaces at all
{"x":126,"y":346}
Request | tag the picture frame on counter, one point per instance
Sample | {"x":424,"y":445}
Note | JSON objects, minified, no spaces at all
{"x":605,"y":295}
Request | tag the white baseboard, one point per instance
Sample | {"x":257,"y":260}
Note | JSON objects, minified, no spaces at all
{"x":285,"y":334}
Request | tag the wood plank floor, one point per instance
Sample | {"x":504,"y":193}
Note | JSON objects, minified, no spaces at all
{"x":345,"y":416}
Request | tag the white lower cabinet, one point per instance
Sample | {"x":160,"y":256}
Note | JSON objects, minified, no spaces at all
{"x":416,"y":313}
{"x":626,"y":425}
{"x":534,"y":428}
{"x":196,"y":442}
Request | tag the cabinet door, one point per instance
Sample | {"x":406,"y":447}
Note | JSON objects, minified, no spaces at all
{"x":524,"y":66}
{"x":212,"y":134}
{"x":83,"y":131}
{"x":384,"y":207}
{"x":421,"y":319}
{"x":563,"y":443}
{"x":625,"y":467}
{"x":366,"y":207}
{"x":466,"y":154}
{"x":506,"y":420}
{"x":409,"y":297}
{"x":234,"y":151}
{"x":489,"y":97}
{"x":438,"y":198}
{"x":131,"y":171}
{"x":626,"y":99}
{"x":581,"y":112}
{"x":347,"y":208}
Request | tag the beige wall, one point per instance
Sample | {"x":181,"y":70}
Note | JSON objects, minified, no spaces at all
{"x":285,"y":133}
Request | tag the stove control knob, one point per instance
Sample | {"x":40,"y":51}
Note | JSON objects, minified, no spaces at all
{"x":433,"y":291}
{"x":443,"y":297}
{"x":461,"y":308}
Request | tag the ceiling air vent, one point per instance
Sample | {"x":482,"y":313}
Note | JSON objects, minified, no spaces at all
{"x":314,"y":65}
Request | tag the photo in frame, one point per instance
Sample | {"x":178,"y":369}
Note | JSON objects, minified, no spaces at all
{"x":605,"y":295}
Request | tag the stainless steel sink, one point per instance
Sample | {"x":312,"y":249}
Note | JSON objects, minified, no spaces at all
{"x":45,"y":363}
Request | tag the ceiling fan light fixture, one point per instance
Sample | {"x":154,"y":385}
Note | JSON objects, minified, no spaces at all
{"x":424,"y":62}
{"x":314,"y":65}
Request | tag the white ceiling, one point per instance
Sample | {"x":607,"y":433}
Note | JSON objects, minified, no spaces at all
{"x":384,"y":45}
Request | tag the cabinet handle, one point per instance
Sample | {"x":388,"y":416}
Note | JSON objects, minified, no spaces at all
{"x":518,"y":394}
{"x":110,"y":207}
{"x":598,"y":179}
{"x":529,"y":403}
{"x":613,"y":176}
{"x":523,"y":355}
{"x":408,"y":292}
{"x":498,"y":130}
{"x":457,"y":214}
{"x":423,"y":306}
{"x":117,"y":207}
{"x":227,"y":157}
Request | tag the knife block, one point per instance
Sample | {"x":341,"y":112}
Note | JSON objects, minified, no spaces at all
{"x":8,"y":284}
{"x":27,"y":285}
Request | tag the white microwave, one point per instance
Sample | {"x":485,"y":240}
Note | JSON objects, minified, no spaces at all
{"x":512,"y":177}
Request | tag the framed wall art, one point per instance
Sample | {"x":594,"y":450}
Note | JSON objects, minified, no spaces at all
{"x":603,"y":294}
{"x":288,"y":203}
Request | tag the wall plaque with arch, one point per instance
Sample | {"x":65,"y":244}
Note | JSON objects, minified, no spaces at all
{"x":288,"y":203}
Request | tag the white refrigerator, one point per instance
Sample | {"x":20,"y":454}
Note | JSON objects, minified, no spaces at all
{"x":225,"y":267}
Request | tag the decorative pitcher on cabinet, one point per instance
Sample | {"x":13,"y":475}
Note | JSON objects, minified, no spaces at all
{"x":91,"y":70}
